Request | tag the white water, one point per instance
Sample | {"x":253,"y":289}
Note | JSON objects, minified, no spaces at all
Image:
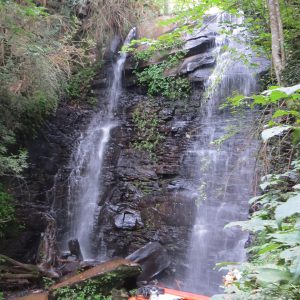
{"x":221,"y":174}
{"x":84,"y":187}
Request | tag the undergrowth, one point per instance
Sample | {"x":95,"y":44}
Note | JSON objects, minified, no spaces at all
{"x":273,"y":267}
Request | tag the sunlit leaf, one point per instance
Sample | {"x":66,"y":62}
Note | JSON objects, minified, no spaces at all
{"x":273,"y":274}
{"x":288,"y":208}
{"x":274,"y":131}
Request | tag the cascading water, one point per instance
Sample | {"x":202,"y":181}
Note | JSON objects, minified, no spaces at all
{"x":84,"y":186}
{"x":220,"y":165}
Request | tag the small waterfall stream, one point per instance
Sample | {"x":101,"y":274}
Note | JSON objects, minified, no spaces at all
{"x":219,"y":166}
{"x":84,"y":187}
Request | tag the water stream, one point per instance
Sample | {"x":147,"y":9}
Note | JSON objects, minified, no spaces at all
{"x":220,"y":166}
{"x":84,"y":184}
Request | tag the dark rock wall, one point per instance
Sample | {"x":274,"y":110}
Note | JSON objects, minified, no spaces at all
{"x":143,"y":198}
{"x":142,"y":201}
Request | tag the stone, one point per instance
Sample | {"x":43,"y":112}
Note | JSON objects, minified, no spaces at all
{"x":198,"y":45}
{"x":128,"y":219}
{"x":192,"y":63}
{"x":70,"y":267}
{"x":153,"y":258}
{"x":200,"y":75}
{"x":74,"y":248}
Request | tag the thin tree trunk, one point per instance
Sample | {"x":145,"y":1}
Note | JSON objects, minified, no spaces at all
{"x":281,"y":35}
{"x":278,"y":55}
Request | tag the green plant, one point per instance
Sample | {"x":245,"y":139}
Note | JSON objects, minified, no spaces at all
{"x":274,"y":267}
{"x":146,"y":122}
{"x":155,"y":76}
{"x":10,"y":164}
{"x":7,"y":211}
{"x":283,"y":105}
{"x":158,"y":82}
{"x":79,"y":85}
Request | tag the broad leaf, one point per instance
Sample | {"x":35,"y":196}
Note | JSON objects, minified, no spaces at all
{"x":288,"y":208}
{"x":274,"y":131}
{"x":291,"y":238}
{"x":296,"y":187}
{"x":254,"y":199}
{"x":253,"y":225}
{"x":277,"y":95}
{"x":269,"y":247}
{"x":280,"y":113}
{"x":272,"y":274}
{"x":291,"y":253}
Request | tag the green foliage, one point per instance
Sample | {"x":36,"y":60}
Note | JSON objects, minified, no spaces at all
{"x":146,"y":121}
{"x":149,"y":48}
{"x":79,"y":85}
{"x":10,"y":164}
{"x":86,"y":292}
{"x":274,"y":269}
{"x":7,"y":211}
{"x":157,"y":81}
{"x":92,"y":289}
{"x":284,"y":108}
{"x":159,"y":84}
{"x":80,"y":82}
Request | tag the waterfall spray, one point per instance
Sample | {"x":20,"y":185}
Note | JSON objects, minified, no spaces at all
{"x":86,"y":166}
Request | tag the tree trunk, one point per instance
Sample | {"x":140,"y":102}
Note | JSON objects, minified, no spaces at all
{"x":48,"y":253}
{"x":278,"y":55}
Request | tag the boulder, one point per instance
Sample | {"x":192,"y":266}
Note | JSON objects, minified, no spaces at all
{"x":153,"y":258}
{"x":128,"y":219}
{"x":198,"y":45}
{"x":200,"y":75}
{"x":195,"y":62}
{"x":74,"y":248}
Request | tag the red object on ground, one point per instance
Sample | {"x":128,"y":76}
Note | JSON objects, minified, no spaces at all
{"x":186,"y":295}
{"x":183,"y":295}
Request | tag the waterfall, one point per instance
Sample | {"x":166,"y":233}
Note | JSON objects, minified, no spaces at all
{"x":220,"y":164}
{"x":86,"y":164}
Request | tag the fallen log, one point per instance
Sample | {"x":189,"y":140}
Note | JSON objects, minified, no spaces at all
{"x":18,"y":276}
{"x":104,"y":277}
{"x":15,"y":263}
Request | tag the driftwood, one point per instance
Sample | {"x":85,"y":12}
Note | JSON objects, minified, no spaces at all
{"x":110,"y":274}
{"x":12,"y":271}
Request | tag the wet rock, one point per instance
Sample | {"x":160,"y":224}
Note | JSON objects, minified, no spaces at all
{"x":192,"y":63}
{"x":132,"y":165}
{"x":200,"y":75}
{"x":74,"y":248}
{"x":153,"y":259}
{"x":70,"y":267}
{"x":198,"y":45}
{"x":129,"y":219}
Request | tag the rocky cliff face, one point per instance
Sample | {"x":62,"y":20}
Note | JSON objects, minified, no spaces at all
{"x":145,"y":197}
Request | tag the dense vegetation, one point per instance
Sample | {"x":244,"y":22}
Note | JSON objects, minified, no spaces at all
{"x":272,"y":271}
{"x":49,"y":51}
